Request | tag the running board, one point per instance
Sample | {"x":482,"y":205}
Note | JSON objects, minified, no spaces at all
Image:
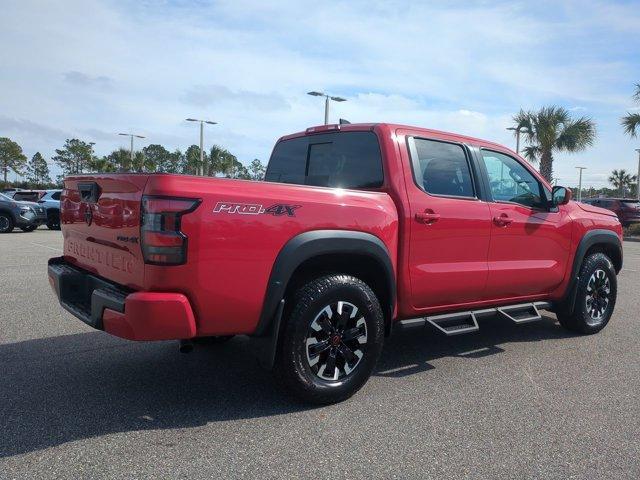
{"x":455,"y":323}
{"x":465,"y":322}
{"x":521,"y":313}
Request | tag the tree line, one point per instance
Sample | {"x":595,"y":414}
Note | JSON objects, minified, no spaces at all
{"x":77,"y":157}
{"x":546,"y":131}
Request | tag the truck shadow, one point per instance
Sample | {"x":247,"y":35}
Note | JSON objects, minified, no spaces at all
{"x":409,"y":353}
{"x":66,"y":388}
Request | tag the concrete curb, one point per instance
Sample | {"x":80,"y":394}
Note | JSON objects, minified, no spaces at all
{"x":631,"y":239}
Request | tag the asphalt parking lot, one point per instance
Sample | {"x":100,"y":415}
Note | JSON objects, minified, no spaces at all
{"x":529,"y":401}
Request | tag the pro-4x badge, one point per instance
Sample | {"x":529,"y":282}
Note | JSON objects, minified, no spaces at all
{"x":278,"y":209}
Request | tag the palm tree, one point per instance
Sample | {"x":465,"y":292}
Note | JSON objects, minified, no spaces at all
{"x":631,"y":121}
{"x":622,"y":180}
{"x":551,"y":129}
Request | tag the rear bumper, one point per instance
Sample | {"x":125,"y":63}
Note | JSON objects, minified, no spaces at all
{"x":118,"y":310}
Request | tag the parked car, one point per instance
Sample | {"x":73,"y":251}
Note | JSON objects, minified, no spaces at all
{"x":627,"y":209}
{"x":27,"y":195}
{"x":51,"y":202}
{"x":10,"y":191}
{"x":25,"y":215}
{"x":358,"y":231}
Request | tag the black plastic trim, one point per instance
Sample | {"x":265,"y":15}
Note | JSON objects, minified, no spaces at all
{"x":312,"y":244}
{"x":591,"y":238}
{"x":85,"y":295}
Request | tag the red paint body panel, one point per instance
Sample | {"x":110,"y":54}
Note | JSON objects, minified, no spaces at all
{"x":152,"y":316}
{"x":460,"y":261}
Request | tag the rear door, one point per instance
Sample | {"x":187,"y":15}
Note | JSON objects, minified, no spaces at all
{"x":530,"y":245}
{"x":449,"y":224}
{"x":101,"y":224}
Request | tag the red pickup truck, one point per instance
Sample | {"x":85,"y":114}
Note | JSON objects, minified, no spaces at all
{"x":358,"y":230}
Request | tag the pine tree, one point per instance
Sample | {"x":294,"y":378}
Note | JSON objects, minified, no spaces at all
{"x":74,"y":157}
{"x":11,"y":157}
{"x":38,"y":170}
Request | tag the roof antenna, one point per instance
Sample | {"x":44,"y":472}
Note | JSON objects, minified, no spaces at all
{"x":342,"y":121}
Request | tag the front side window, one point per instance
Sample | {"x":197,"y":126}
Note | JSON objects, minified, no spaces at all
{"x":341,"y":160}
{"x":510,"y":181}
{"x":441,"y":168}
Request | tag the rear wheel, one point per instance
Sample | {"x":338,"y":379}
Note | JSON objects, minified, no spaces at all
{"x":331,"y":340}
{"x":595,"y":296}
{"x":53,"y":220}
{"x":6,"y":223}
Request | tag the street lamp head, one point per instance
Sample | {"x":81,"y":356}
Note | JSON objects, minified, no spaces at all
{"x":210,"y":123}
{"x":513,"y":129}
{"x":124,"y":134}
{"x":191,"y":120}
{"x":139,"y":136}
{"x":316,"y":94}
{"x":338,"y":99}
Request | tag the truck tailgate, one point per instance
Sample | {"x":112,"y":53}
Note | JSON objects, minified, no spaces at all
{"x":101,"y":217}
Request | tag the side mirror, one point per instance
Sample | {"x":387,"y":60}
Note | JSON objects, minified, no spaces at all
{"x":560,"y":196}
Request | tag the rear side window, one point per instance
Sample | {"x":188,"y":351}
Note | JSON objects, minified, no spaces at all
{"x":341,"y":160}
{"x":441,"y":168}
{"x":56,"y":195}
{"x":27,"y":197}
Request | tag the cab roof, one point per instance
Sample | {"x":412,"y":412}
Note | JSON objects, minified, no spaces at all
{"x":392,"y":127}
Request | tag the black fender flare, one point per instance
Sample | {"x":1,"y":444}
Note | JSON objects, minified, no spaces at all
{"x":296,"y":251}
{"x":311,"y":244}
{"x":591,"y":238}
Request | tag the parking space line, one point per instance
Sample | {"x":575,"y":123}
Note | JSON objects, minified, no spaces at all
{"x":46,"y":246}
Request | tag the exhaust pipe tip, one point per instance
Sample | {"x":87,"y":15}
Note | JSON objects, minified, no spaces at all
{"x":186,"y":346}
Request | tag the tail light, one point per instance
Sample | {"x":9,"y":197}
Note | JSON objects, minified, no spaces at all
{"x":161,"y":239}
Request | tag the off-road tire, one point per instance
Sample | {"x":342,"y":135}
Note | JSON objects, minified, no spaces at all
{"x":293,"y":363}
{"x":582,"y":320}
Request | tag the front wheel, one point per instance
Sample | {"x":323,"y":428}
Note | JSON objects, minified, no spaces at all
{"x":595,"y":297}
{"x":331,"y":340}
{"x":29,"y":228}
{"x":6,"y":223}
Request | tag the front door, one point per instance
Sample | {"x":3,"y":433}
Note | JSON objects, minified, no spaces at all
{"x":449,"y":226}
{"x":530,"y":244}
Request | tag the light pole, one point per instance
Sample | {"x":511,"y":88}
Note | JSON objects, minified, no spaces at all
{"x":91,"y":144}
{"x":580,"y":183}
{"x":518,"y":130}
{"x":202,"y":122}
{"x":638,"y":178}
{"x":326,"y":102}
{"x":131,"y":135}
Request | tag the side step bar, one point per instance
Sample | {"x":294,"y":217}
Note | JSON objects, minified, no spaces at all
{"x":455,"y":323}
{"x":466,"y":322}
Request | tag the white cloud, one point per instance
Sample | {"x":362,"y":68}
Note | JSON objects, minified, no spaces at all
{"x":464,"y":67}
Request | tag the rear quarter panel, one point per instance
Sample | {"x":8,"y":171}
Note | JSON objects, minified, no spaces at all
{"x":231,"y":254}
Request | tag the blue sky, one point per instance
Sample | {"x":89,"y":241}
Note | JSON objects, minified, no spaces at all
{"x":90,"y":69}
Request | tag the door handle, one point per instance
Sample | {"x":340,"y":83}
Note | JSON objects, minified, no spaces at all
{"x":427,"y":217}
{"x":503,"y":220}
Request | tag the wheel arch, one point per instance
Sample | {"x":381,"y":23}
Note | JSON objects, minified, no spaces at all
{"x":594,"y":241}
{"x":337,"y":251}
